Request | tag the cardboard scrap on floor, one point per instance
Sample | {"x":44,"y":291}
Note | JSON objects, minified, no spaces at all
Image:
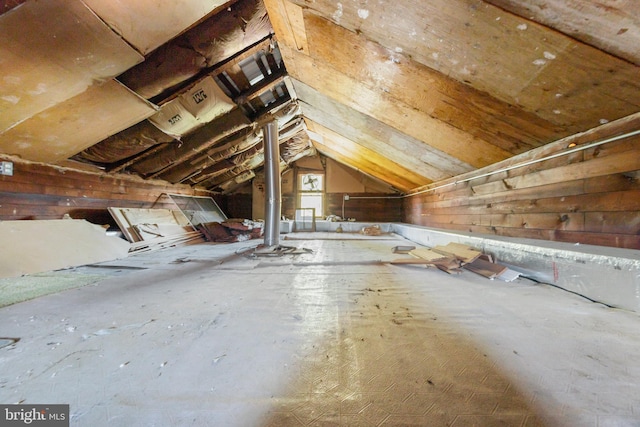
{"x":373,"y":230}
{"x":509,"y":275}
{"x":451,"y":258}
{"x":35,"y":246}
{"x":231,"y":230}
{"x":153,"y":229}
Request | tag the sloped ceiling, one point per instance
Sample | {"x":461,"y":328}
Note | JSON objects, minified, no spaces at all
{"x":407,"y":92}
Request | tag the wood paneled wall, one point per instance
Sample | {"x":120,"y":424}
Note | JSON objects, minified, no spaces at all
{"x":38,"y":191}
{"x":588,"y":197}
{"x":373,"y":208}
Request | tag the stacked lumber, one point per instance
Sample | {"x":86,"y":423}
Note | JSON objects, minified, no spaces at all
{"x":154,"y":229}
{"x":231,"y":230}
{"x":453,"y":257}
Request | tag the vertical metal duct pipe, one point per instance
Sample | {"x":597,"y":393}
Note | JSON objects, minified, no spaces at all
{"x":273,"y":201}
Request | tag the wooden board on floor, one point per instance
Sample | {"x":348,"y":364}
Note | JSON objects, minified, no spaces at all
{"x":427,"y":254}
{"x":486,"y":268}
{"x":127,"y":229}
{"x":447,"y":264}
{"x":464,"y":253}
{"x":411,"y":261}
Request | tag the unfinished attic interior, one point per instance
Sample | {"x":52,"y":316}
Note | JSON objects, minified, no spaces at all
{"x":311,"y":212}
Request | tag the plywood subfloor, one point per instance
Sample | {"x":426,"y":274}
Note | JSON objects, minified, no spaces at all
{"x":205,"y":337}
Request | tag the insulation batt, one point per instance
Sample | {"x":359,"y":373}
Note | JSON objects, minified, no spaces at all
{"x":125,"y":144}
{"x":234,"y":123}
{"x":229,"y":152}
{"x":206,"y":45}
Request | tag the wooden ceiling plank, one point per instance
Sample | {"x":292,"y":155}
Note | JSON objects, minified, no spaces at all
{"x":348,"y":161}
{"x":425,"y":89}
{"x":377,"y":136}
{"x":396,"y":114}
{"x":582,"y":88}
{"x":611,"y":26}
{"x":385,"y":169}
{"x":468,"y":41}
{"x":356,"y":171}
{"x":288,"y":23}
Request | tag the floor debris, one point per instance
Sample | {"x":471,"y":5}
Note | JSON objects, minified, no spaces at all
{"x":452,"y":257}
{"x":231,"y":230}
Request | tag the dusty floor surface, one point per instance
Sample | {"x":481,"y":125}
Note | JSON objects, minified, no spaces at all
{"x":200,"y":336}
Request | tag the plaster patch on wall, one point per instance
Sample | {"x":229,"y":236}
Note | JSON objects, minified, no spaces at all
{"x":539,"y":62}
{"x":522,"y":27}
{"x":549,"y":55}
{"x":338,"y":13}
{"x":41,"y":88}
{"x":11,"y":98}
{"x":363,"y":13}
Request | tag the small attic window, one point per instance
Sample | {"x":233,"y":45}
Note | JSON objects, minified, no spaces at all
{"x":311,"y":182}
{"x":311,"y":194}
